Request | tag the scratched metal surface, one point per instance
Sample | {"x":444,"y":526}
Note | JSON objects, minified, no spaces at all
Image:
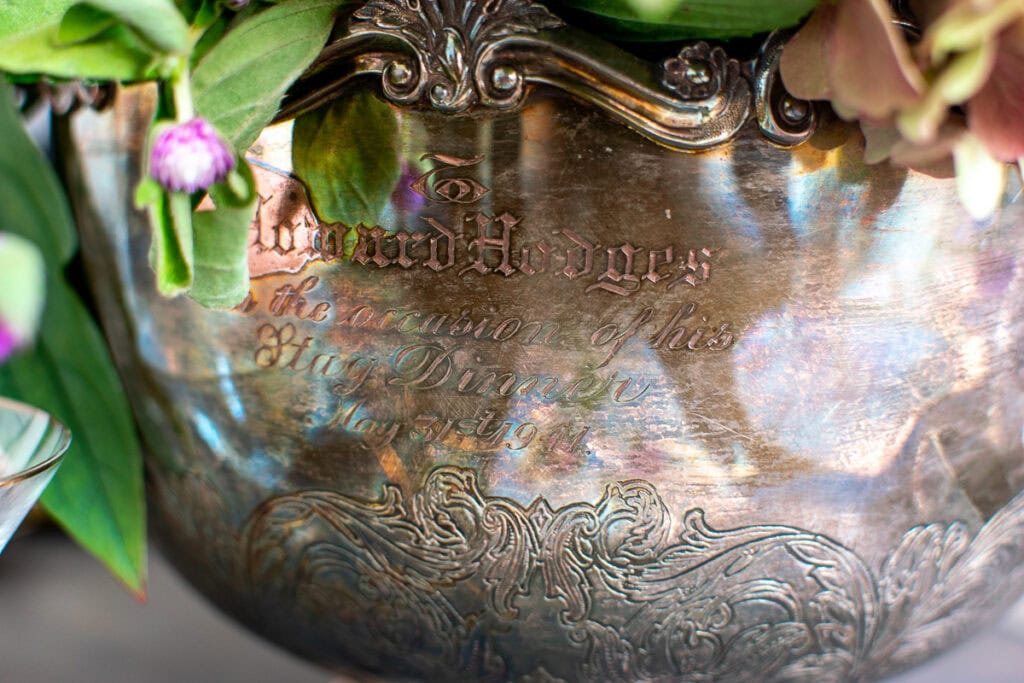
{"x":625,"y":413}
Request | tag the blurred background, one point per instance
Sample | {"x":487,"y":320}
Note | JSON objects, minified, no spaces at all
{"x":65,"y":619}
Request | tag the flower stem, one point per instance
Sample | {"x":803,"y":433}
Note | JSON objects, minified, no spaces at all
{"x":184,"y":110}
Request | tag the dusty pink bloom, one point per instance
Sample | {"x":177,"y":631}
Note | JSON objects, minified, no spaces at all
{"x":189,"y":157}
{"x":996,"y":113}
{"x":971,"y":55}
{"x":852,"y":54}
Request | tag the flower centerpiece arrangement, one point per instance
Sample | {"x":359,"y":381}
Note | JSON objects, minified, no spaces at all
{"x":935,"y":85}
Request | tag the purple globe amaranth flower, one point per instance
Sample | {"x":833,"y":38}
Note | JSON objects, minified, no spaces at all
{"x":8,"y":342}
{"x":189,"y":157}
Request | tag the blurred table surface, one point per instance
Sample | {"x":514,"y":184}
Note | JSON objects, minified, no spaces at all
{"x":62,"y":618}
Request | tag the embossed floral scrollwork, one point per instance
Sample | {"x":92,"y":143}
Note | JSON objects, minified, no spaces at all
{"x":782,"y":118}
{"x":456,"y":55}
{"x":442,"y":574}
{"x":501,"y":84}
{"x":403,"y":80}
{"x":699,"y":71}
{"x":448,"y":39}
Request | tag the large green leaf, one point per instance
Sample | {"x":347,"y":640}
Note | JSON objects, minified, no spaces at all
{"x":83,"y":23}
{"x":157,"y":22}
{"x":31,"y":43}
{"x":97,"y":495}
{"x":29,"y":191}
{"x":681,"y":19}
{"x":347,"y":153}
{"x":115,"y":55}
{"x":239,"y":84}
{"x":21,"y":17}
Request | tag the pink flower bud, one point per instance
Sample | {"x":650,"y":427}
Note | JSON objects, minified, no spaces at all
{"x":8,"y":342}
{"x":189,"y":157}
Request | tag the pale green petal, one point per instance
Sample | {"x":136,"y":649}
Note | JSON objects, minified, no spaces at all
{"x":980,"y":179}
{"x":967,"y":73}
{"x":967,"y":25}
{"x":963,"y":77}
{"x":22,"y":285}
{"x":920,"y":122}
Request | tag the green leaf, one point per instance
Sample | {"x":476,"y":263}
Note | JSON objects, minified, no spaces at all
{"x":207,"y":13}
{"x":157,"y":22}
{"x":239,"y":84}
{"x":189,"y":8}
{"x":347,"y":152}
{"x":28,"y":191}
{"x":114,"y":55}
{"x":97,"y":495}
{"x":221,"y":278}
{"x":172,"y":249}
{"x":209,"y":39}
{"x":82,"y":23}
{"x":103,"y":39}
{"x":24,"y":17}
{"x":147,"y":193}
{"x":653,"y":20}
{"x":31,"y":43}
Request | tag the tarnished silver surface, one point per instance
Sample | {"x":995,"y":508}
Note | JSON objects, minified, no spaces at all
{"x":581,"y":407}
